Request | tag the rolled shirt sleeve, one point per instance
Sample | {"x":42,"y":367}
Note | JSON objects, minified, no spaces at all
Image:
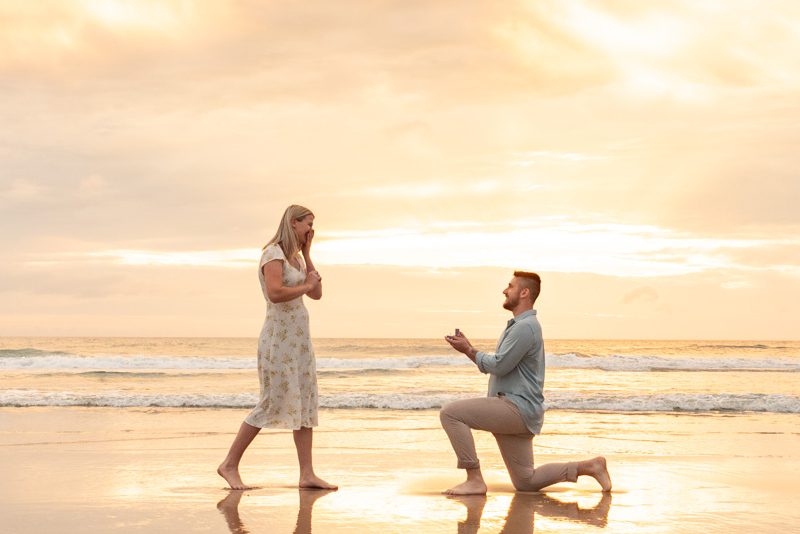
{"x":516,"y":343}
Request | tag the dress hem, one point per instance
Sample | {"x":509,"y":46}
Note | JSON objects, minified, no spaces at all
{"x":281,"y":427}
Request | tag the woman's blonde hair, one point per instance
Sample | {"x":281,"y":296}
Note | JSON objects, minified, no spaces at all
{"x":285,"y":236}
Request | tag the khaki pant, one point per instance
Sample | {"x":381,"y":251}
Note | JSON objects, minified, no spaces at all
{"x":501,"y":417}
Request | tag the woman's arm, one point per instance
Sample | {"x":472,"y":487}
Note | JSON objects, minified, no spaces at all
{"x":277,"y":292}
{"x":316,"y":294}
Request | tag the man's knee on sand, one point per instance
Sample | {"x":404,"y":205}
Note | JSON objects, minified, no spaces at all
{"x":524,"y":484}
{"x":445,"y":413}
{"x":454,"y":412}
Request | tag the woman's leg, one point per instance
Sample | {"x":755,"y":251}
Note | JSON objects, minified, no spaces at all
{"x":229,"y":468}
{"x":303,"y":440}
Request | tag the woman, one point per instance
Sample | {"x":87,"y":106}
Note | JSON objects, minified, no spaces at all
{"x":286,"y":367}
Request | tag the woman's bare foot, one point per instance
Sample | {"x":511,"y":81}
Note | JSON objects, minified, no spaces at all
{"x":314,"y":482}
{"x":468,"y":487}
{"x":231,"y":476}
{"x":598,"y":470}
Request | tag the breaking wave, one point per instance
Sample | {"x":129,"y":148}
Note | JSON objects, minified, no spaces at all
{"x":678,"y":402}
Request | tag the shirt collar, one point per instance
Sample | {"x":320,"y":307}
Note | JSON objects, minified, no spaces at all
{"x":521,"y":316}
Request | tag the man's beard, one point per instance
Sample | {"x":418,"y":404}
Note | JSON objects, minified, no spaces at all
{"x":510,"y":303}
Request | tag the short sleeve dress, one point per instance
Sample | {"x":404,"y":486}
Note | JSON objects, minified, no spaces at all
{"x":287,"y":370}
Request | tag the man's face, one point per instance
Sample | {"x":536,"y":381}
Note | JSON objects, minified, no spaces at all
{"x":512,"y":294}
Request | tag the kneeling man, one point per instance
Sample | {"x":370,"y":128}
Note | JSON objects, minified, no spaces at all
{"x":513,"y":411}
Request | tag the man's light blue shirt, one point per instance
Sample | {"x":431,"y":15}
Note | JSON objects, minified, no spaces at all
{"x":517,"y":368}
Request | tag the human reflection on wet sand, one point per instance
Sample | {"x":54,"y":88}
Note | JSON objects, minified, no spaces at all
{"x":474,"y":504}
{"x":524,"y":507}
{"x":519,"y":520}
{"x":229,"y":506}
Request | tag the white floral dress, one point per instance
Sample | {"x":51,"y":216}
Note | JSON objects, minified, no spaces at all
{"x":287,"y":370}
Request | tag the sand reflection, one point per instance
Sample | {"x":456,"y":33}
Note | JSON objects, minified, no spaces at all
{"x":525,"y":506}
{"x":229,"y":506}
{"x":522,"y":512}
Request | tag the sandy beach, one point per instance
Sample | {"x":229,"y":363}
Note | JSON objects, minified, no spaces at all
{"x":152,"y":470}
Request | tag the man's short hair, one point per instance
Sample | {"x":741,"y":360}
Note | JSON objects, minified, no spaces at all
{"x":530,"y":280}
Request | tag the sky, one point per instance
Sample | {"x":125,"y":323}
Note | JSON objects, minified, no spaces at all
{"x":641,"y":156}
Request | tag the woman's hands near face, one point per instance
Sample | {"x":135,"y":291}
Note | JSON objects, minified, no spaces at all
{"x":307,"y":244}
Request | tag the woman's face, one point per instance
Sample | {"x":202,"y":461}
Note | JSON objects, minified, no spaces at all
{"x":302,"y":228}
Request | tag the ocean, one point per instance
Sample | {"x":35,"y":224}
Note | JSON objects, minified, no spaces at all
{"x":617,"y":376}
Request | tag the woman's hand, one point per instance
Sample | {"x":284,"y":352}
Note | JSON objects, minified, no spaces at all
{"x":313,"y":281}
{"x":307,"y":244}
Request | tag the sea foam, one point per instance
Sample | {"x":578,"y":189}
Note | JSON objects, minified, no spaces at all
{"x":40,"y":360}
{"x":564,"y":400}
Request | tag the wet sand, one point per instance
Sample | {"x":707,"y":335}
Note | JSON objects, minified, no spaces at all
{"x":152,"y":470}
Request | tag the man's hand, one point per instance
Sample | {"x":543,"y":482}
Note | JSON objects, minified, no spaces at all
{"x":462,"y":345}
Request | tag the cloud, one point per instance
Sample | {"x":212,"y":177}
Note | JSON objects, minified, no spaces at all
{"x":527,"y":159}
{"x":445,"y":190}
{"x":206,"y":258}
{"x":240,"y":93}
{"x":640,"y":294}
{"x":639,"y":138}
{"x":540,"y":244}
{"x":21,"y":190}
{"x":93,"y":185}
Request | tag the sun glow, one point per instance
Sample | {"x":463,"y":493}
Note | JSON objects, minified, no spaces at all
{"x":651,"y":36}
{"x":638,"y":54}
{"x":548,"y":245}
{"x":554,"y":246}
{"x":206,"y":258}
{"x":128,"y":13}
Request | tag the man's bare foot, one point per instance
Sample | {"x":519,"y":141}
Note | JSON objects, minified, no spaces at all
{"x":314,"y":482}
{"x":597,"y":469}
{"x":231,"y":476}
{"x":469,"y":487}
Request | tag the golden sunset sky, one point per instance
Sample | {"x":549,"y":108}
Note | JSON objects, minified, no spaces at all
{"x":641,"y":156}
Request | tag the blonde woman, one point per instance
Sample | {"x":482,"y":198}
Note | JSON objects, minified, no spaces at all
{"x":286,"y":368}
